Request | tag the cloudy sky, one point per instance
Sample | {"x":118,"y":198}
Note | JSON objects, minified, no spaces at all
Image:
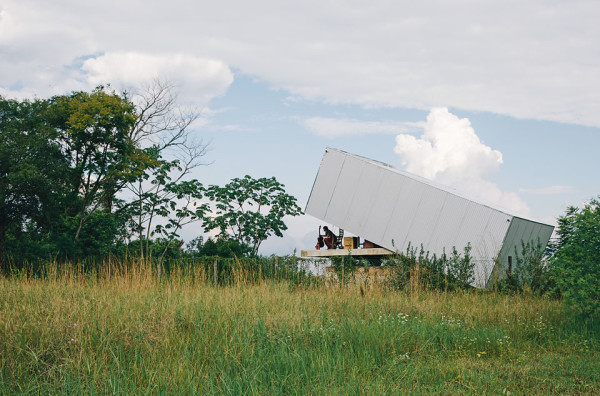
{"x":500,"y":100}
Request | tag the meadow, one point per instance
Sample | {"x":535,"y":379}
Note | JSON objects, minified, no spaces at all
{"x":123,"y":330}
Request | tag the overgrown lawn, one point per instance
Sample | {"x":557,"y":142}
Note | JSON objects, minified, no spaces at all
{"x":130,"y":333}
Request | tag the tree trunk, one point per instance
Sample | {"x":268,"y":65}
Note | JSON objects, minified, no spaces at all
{"x":141,"y":231}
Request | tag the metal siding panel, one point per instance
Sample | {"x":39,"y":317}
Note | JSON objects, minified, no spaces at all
{"x":490,"y":245}
{"x":493,"y":235}
{"x":425,"y":218}
{"x":481,"y":227}
{"x":522,"y":230}
{"x":529,"y":232}
{"x":364,"y":199}
{"x":472,"y":225}
{"x":471,"y":231}
{"x":545,"y":234}
{"x":525,"y":236}
{"x":447,"y":226}
{"x":382,"y":207}
{"x":512,"y":238}
{"x":396,"y":235}
{"x":325,"y":183}
{"x":341,"y":199}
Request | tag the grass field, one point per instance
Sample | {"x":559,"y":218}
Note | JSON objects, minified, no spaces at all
{"x":129,"y":333}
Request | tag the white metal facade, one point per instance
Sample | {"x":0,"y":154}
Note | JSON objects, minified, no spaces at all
{"x":393,"y":208}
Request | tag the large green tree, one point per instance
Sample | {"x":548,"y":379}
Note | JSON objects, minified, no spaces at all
{"x":95,"y":135}
{"x":62,"y":163}
{"x":577,"y":258}
{"x":32,"y":169}
{"x":249,"y":210}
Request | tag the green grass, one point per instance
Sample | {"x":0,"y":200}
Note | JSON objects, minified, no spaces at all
{"x":130,"y":333}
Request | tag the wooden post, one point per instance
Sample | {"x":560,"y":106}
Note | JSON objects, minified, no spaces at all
{"x":276,"y":259}
{"x":215,"y":278}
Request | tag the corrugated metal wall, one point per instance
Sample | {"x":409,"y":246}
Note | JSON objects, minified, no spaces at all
{"x":393,"y":208}
{"x":522,"y":230}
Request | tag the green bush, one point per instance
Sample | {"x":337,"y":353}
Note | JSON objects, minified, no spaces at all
{"x":577,"y":259}
{"x":228,"y":248}
{"x":419,"y":267}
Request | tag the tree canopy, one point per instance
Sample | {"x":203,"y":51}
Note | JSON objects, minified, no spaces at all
{"x":250,"y":210}
{"x":66,"y":161}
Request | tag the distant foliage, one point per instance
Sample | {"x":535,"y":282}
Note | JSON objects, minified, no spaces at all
{"x":226,"y":248}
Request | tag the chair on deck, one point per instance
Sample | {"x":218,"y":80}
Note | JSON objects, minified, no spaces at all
{"x":339,"y":240}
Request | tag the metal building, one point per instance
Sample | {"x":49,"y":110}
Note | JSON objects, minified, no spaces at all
{"x":393,"y":208}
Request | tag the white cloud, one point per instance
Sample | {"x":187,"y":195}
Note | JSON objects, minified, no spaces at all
{"x":552,"y":190}
{"x":197,"y":79}
{"x":451,"y":153}
{"x":492,"y":56}
{"x":336,"y":127}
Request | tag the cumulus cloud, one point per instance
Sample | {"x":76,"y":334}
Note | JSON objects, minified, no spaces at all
{"x":336,"y":127}
{"x":450,"y":152}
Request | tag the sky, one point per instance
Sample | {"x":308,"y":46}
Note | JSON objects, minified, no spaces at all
{"x":499,"y":100}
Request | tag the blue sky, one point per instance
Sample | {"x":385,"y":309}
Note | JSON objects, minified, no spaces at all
{"x":498,"y":100}
{"x":259,"y":130}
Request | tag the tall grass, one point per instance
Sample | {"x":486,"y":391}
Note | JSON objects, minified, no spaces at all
{"x":121,"y":329}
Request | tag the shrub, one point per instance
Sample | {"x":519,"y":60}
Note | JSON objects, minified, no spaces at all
{"x":420,"y":269}
{"x":461,"y":268}
{"x":577,"y":258}
{"x":532,"y":269}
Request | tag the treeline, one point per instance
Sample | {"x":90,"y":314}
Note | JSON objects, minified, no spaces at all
{"x":89,"y":175}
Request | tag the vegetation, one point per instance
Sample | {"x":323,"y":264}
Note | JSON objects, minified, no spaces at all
{"x":418,"y":269}
{"x":66,"y":162}
{"x":250,"y":210}
{"x":83,"y":311}
{"x":576,"y":262}
{"x":122,"y":330}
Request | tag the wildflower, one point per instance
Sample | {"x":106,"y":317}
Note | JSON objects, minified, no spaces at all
{"x":74,"y":325}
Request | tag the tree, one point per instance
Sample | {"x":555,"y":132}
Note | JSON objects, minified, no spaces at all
{"x":250,"y":210}
{"x":162,"y":130}
{"x":577,"y":259}
{"x":94,"y":130}
{"x":32,"y":169}
{"x":64,"y":161}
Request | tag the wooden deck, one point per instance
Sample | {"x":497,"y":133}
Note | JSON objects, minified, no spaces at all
{"x":346,"y":252}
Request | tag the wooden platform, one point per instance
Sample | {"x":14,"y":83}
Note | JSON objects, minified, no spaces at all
{"x":346,"y":252}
